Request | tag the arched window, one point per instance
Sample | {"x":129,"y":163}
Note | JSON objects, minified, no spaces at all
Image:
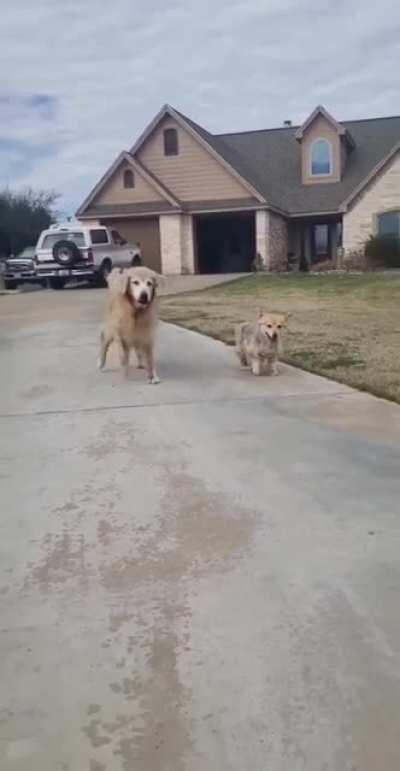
{"x":170,"y":141}
{"x":129,"y":178}
{"x":321,"y":158}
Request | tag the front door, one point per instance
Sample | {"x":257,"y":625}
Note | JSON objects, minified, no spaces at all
{"x":321,"y":242}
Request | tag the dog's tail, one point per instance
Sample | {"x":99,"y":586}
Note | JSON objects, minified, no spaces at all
{"x":238,"y":334}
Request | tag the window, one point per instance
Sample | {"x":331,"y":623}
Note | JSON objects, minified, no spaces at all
{"x":117,"y":238}
{"x":50,"y":240}
{"x":99,"y":236}
{"x":129,"y":178}
{"x":170,"y":141}
{"x":321,"y":158}
{"x":389,"y":224}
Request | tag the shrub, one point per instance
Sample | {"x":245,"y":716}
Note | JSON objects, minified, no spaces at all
{"x":355,"y":261}
{"x":383,"y":252}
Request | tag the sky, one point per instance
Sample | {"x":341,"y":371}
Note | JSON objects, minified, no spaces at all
{"x":80,"y":80}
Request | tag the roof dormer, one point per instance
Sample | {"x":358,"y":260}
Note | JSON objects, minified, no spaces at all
{"x":325,"y":144}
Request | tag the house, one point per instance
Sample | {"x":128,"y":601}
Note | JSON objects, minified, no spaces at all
{"x":203,"y":203}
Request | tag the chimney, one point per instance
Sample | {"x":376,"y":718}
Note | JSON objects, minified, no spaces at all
{"x":287,"y":123}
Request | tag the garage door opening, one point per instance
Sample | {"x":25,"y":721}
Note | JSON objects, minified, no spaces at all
{"x":225,"y":243}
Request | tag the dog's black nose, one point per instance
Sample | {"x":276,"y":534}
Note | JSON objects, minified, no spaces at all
{"x":143,"y":298}
{"x":275,"y":336}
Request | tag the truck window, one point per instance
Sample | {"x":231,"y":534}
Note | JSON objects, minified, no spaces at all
{"x":117,"y":238}
{"x":51,"y":239}
{"x":99,"y":236}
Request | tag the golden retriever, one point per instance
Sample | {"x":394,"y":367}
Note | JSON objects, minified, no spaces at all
{"x":258,"y":345}
{"x":131,"y":318}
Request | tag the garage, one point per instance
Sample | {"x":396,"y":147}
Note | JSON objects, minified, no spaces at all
{"x":144,"y":231}
{"x":224,"y":243}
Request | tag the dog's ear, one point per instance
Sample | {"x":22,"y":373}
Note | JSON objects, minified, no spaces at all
{"x":158,"y":279}
{"x":118,"y":281}
{"x":125,"y":282}
{"x":260,"y":313}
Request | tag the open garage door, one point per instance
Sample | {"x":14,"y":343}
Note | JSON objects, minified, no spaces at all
{"x":225,"y":243}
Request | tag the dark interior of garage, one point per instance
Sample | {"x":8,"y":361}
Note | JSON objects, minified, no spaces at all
{"x":225,"y":243}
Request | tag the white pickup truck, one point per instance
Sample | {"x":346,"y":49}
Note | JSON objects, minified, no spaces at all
{"x":74,"y":251}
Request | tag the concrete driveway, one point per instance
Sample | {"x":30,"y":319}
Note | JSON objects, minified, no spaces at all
{"x":198,"y":576}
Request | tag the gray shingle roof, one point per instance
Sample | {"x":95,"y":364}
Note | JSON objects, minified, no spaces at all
{"x":270,"y":160}
{"x":112,"y":209}
{"x":226,"y":204}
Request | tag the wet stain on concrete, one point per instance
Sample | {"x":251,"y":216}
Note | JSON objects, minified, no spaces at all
{"x":152,"y":730}
{"x":144,"y":571}
{"x":118,"y":619}
{"x":113,"y":438}
{"x":107,"y":529}
{"x":92,"y":732}
{"x":195,"y":535}
{"x":93,"y":709}
{"x":64,"y":560}
{"x":95,"y":766}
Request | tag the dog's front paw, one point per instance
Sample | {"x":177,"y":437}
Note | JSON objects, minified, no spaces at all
{"x":154,"y":380}
{"x":100,"y":364}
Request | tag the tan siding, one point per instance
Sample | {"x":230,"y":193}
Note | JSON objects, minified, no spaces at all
{"x":382,"y":194}
{"x":191,"y":175}
{"x":114,"y":191}
{"x":320,"y":128}
{"x":144,"y":232}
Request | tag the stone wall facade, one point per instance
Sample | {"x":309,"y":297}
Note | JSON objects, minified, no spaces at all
{"x":383,"y":194}
{"x":272,"y":240}
{"x":170,"y":242}
{"x":177,"y":244}
{"x":278,"y":242}
{"x":187,"y":244}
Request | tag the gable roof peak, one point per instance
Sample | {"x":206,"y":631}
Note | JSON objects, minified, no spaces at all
{"x":319,"y":110}
{"x":204,"y":138}
{"x":137,"y":166}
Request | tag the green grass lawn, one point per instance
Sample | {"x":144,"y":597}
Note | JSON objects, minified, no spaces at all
{"x":343,"y":326}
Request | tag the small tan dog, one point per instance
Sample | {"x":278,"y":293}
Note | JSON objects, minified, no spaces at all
{"x":258,"y":345}
{"x":131,"y":318}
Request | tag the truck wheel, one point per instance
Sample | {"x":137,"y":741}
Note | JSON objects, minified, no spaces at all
{"x":136,"y":261}
{"x":57,"y":283}
{"x":104,"y":272}
{"x":10,"y":283}
{"x":66,"y":253}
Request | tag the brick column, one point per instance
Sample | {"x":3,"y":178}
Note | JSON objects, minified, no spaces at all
{"x":271,"y":240}
{"x":176,"y":241}
{"x":262,"y":236}
{"x":187,"y":242}
{"x":278,"y":242}
{"x":171,"y":243}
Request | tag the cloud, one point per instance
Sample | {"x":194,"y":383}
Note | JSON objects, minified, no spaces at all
{"x":79,"y":82}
